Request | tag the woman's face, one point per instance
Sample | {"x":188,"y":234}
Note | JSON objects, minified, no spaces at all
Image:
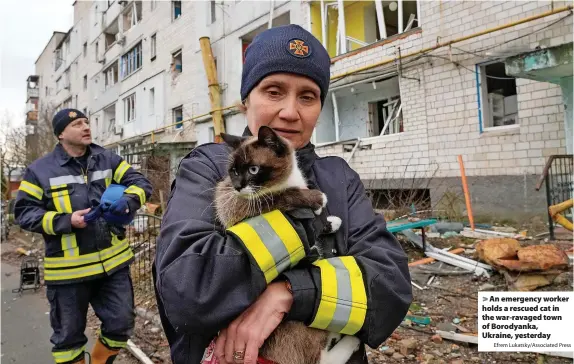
{"x":289,"y":104}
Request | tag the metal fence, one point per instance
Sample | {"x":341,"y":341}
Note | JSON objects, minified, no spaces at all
{"x":142,"y":235}
{"x":557,"y":176}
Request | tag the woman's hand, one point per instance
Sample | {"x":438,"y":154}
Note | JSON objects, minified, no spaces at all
{"x":247,"y":333}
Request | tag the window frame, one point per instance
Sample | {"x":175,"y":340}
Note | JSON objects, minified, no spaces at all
{"x":153,"y":46}
{"x":129,"y":103}
{"x":131,"y":61}
{"x":483,"y":100}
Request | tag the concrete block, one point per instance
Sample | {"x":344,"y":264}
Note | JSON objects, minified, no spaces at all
{"x":552,"y":144}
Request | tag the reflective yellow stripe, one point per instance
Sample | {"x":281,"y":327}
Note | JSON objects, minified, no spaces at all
{"x":120,"y":171}
{"x":112,"y":343}
{"x":137,"y":191}
{"x":257,"y":249}
{"x":62,"y":199}
{"x":108,"y":181}
{"x":70,"y":245}
{"x":288,"y":235}
{"x":69,"y":355}
{"x":48,"y":222}
{"x":118,"y":260}
{"x":31,"y":189}
{"x":73,"y":273}
{"x":343,"y":305}
{"x":63,"y":262}
{"x":272,"y":242}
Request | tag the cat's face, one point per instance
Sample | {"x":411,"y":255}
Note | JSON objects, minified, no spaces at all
{"x":259,"y":163}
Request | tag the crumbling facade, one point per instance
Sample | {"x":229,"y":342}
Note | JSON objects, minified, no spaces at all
{"x":414,"y":85}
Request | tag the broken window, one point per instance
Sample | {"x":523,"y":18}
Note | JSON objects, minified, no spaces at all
{"x":212,"y":11}
{"x":385,"y":117}
{"x":131,"y":61}
{"x":67,"y":79}
{"x":133,"y":15}
{"x":130,"y":108}
{"x":85,"y":50}
{"x":176,"y":62}
{"x":153,"y":46}
{"x":176,"y":9}
{"x":211,"y":132}
{"x":111,"y":75}
{"x":178,"y":117}
{"x":111,"y":34}
{"x":58,"y":59}
{"x":365,"y":22}
{"x":85,"y":82}
{"x":498,"y":96}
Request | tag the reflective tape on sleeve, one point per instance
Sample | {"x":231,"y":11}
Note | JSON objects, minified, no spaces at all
{"x":271,"y":241}
{"x":48,"y":222}
{"x":31,"y":189}
{"x":120,"y":171}
{"x":343,"y":305}
{"x":135,"y":190}
{"x":61,"y":198}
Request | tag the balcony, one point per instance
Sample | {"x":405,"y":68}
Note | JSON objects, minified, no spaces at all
{"x":32,"y":116}
{"x":33,"y":92}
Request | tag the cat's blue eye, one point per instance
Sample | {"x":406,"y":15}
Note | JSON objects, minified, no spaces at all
{"x":254,"y":170}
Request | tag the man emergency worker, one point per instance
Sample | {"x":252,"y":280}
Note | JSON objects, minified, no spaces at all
{"x":85,"y":263}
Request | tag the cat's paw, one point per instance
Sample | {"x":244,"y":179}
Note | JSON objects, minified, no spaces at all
{"x":323,"y":204}
{"x":335,"y":222}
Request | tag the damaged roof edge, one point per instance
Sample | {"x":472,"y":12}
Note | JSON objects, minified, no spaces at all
{"x":47,"y":43}
{"x":64,"y":38}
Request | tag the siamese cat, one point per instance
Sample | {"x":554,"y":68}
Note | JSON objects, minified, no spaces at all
{"x":264,"y":176}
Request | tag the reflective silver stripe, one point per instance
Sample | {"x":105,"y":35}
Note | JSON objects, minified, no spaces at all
{"x":344,"y":296}
{"x":66,"y":180}
{"x":96,"y":175}
{"x":272,"y":241}
{"x":67,"y":242}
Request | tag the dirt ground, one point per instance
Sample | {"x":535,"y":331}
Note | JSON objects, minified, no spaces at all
{"x":450,"y":301}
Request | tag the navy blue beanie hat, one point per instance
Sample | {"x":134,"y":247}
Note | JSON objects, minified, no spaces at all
{"x":64,"y":117}
{"x":290,"y":49}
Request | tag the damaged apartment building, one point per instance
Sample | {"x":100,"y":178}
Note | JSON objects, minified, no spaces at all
{"x":415,"y":85}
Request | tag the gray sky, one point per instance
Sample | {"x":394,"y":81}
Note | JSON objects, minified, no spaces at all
{"x":25,"y":29}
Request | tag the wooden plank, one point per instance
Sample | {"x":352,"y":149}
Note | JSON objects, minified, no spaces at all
{"x":465,"y":338}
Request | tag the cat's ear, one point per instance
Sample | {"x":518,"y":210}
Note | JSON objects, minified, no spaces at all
{"x":268,"y":137}
{"x":232,"y":140}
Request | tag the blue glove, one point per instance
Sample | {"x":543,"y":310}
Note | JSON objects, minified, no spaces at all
{"x":112,"y":207}
{"x":120,"y":207}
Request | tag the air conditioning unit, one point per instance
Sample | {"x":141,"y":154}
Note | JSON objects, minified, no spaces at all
{"x":118,"y":129}
{"x":120,"y":38}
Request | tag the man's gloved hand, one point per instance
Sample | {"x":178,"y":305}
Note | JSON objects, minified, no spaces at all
{"x":120,"y":207}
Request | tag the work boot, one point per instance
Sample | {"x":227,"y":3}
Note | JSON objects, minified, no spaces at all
{"x":101,"y":354}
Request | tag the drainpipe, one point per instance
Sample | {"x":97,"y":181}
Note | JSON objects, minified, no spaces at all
{"x":214,"y":95}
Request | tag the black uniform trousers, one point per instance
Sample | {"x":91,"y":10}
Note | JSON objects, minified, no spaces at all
{"x":112,"y":300}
